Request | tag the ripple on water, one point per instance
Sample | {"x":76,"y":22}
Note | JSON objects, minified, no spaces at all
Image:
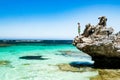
{"x":31,"y":69}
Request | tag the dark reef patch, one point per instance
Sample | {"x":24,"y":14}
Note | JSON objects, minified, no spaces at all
{"x":33,"y":58}
{"x":78,"y":64}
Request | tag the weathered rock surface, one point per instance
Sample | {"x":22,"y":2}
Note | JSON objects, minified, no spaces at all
{"x":68,"y":67}
{"x":101,"y":44}
{"x":105,"y":74}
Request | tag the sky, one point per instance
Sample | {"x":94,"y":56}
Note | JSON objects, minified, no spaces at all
{"x":54,"y":19}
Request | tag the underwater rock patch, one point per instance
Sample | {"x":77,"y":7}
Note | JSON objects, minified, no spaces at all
{"x":73,"y":54}
{"x":4,"y":62}
{"x":33,"y":58}
{"x":26,"y":64}
{"x":68,"y":67}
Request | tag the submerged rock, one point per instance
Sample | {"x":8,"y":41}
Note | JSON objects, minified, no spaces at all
{"x":26,"y":64}
{"x":101,"y":45}
{"x":65,"y":53}
{"x":73,"y":54}
{"x":68,"y":67}
{"x":33,"y":58}
{"x":105,"y":74}
{"x":4,"y":62}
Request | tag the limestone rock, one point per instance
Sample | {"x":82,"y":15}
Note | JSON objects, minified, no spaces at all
{"x":101,"y":44}
{"x":105,"y":74}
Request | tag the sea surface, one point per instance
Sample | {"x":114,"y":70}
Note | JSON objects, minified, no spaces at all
{"x":38,"y":61}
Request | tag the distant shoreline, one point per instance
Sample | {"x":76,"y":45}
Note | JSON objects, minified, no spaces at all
{"x":37,"y":41}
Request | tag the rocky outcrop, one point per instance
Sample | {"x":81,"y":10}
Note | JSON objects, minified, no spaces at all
{"x":101,"y":44}
{"x":106,"y":74}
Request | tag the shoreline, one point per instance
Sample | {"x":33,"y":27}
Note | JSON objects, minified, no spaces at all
{"x":102,"y":74}
{"x":107,"y":74}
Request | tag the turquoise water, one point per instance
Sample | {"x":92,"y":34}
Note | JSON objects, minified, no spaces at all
{"x":34,"y":69}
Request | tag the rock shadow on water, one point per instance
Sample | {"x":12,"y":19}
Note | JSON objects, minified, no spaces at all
{"x":97,"y":65}
{"x":78,"y":64}
{"x":106,"y":62}
{"x":73,"y":67}
{"x":33,"y":58}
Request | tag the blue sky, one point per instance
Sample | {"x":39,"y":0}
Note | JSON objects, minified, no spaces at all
{"x":53,"y":19}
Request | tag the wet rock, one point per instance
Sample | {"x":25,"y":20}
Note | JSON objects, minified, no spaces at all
{"x":4,"y":62}
{"x":68,"y":67}
{"x":107,"y":74}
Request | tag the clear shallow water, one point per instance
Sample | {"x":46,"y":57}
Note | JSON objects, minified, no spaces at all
{"x":22,"y":69}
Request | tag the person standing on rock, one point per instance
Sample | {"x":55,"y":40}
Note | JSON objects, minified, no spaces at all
{"x":78,"y":28}
{"x":102,"y":21}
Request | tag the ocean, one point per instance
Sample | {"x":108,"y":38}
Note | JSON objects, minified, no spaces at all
{"x":39,"y":60}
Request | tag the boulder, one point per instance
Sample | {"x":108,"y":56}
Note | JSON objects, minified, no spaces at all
{"x":102,"y":45}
